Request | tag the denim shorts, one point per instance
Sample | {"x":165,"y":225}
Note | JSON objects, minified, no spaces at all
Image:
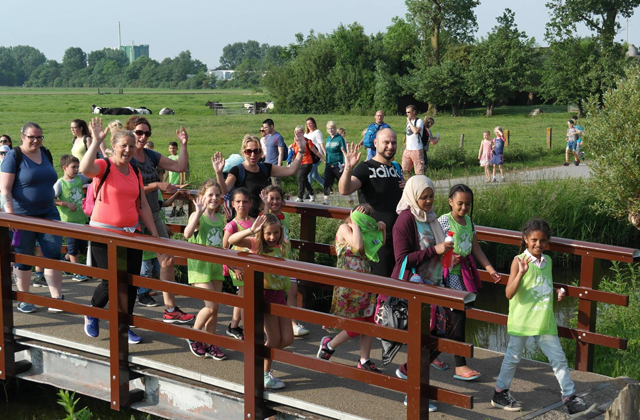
{"x":76,"y":246}
{"x":571,"y":145}
{"x":50,"y":244}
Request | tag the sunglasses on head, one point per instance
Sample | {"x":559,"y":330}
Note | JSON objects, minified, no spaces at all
{"x":140,"y":133}
{"x":250,"y":152}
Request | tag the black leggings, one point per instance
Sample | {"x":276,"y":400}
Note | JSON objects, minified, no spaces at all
{"x":458,"y":319}
{"x":303,"y":181}
{"x":331,"y":173}
{"x":101,"y":294}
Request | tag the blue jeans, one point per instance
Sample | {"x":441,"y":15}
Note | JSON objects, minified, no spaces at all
{"x":371,"y":153}
{"x":150,"y":268}
{"x":550,"y":346}
{"x":50,"y":244}
{"x":315,"y":175}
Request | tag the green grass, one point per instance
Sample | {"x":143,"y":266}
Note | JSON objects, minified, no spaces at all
{"x":54,"y":109}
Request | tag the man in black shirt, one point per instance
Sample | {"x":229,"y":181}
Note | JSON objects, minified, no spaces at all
{"x":379,"y":183}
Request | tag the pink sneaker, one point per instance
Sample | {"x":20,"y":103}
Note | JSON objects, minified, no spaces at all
{"x":215,"y":353}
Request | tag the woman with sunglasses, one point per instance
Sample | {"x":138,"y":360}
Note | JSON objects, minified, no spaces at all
{"x":147,"y":161}
{"x":256,"y":176}
{"x":82,"y":139}
{"x":27,"y":190}
{"x":5,"y":140}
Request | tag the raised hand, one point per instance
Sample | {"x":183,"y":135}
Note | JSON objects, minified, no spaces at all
{"x":257,"y":225}
{"x":200,"y":203}
{"x":351,"y":156}
{"x":217,"y":161}
{"x":523,"y":264}
{"x":95,"y":126}
{"x":359,"y":209}
{"x":265,"y":198}
{"x":302,"y":144}
{"x":182,"y":135}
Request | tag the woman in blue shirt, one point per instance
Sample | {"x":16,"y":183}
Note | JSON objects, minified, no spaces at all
{"x":334,"y":145}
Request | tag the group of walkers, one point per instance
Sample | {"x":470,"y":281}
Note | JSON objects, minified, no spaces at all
{"x":392,"y":232}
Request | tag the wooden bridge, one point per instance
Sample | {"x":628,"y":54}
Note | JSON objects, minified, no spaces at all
{"x":162,"y":377}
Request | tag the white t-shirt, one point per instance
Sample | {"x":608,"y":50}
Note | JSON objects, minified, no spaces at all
{"x":414,"y":141}
{"x":316,"y":138}
{"x":263,"y":144}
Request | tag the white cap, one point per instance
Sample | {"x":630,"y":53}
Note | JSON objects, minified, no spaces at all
{"x":4,"y":148}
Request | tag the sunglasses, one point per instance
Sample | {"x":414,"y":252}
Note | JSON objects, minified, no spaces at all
{"x":3,"y":153}
{"x":5,"y":141}
{"x":141,"y":133}
{"x":250,"y":152}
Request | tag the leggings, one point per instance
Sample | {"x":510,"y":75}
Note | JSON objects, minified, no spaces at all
{"x":100,"y":297}
{"x":303,"y":181}
{"x":331,"y":173}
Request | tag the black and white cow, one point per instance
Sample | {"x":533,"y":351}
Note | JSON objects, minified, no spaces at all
{"x":166,"y":111}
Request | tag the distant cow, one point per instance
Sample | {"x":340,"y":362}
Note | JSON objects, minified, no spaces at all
{"x":111,"y":111}
{"x":166,"y":111}
{"x":214,"y":105}
{"x":143,"y":110}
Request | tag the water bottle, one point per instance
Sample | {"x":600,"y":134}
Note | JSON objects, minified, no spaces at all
{"x":16,"y":238}
{"x":448,"y":256}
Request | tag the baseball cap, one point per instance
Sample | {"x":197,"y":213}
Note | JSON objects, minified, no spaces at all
{"x":4,"y":148}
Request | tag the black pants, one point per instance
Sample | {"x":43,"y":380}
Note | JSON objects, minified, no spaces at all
{"x":101,"y":294}
{"x":303,"y":181}
{"x":459,"y":319}
{"x":331,"y":173}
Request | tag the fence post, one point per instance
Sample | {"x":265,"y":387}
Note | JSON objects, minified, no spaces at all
{"x":507,"y":137}
{"x":255,"y":108}
{"x":307,"y":233}
{"x":255,"y":350}
{"x":7,"y":341}
{"x":549,"y":134}
{"x":587,"y":312}
{"x":418,"y":360}
{"x":462,"y":141}
{"x":118,"y":326}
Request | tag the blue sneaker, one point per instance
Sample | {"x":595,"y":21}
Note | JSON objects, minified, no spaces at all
{"x":91,"y":326}
{"x":432,"y":408}
{"x":26,"y":308}
{"x":134,"y":338}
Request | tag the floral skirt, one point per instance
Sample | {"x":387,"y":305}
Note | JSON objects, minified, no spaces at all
{"x":350,"y":303}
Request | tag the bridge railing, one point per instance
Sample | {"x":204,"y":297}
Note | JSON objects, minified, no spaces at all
{"x":417,"y":337}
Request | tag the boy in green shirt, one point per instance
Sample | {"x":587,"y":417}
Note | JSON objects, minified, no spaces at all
{"x":68,"y":197}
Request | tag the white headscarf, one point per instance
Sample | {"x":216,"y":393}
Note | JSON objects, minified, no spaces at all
{"x":413,"y":189}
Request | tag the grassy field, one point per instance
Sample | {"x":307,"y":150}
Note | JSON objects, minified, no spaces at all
{"x":53,"y":109}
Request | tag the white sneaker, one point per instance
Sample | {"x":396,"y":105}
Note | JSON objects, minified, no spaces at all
{"x":312,"y":198}
{"x":325,"y":202}
{"x":299,"y":330}
{"x":272,"y":383}
{"x":298,"y":200}
{"x":502,"y":179}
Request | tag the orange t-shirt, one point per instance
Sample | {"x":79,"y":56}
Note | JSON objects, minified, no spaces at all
{"x":306,"y":158}
{"x":117,"y":202}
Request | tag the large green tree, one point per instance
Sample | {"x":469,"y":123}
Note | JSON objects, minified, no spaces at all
{"x":234,"y":54}
{"x":501,"y":64}
{"x":27,"y":60}
{"x":600,"y":16}
{"x":74,"y":59}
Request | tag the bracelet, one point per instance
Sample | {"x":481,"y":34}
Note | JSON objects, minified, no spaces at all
{"x":251,"y":230}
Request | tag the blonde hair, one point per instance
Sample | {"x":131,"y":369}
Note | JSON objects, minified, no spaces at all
{"x":331,"y":124}
{"x":298,"y":128}
{"x":249,"y":138}
{"x":499,"y":129}
{"x":263,"y":248}
{"x":208,"y":184}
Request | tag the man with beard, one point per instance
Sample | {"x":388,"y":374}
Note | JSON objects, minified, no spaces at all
{"x":379,"y":183}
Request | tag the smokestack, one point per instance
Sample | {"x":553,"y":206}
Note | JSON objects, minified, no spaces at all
{"x":119,"y":36}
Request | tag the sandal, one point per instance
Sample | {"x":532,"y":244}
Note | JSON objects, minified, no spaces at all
{"x":469,"y":376}
{"x":439,"y":364}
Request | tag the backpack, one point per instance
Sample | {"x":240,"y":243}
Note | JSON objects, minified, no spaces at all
{"x":18,"y":153}
{"x":99,"y":154}
{"x":89,"y":202}
{"x":242,"y":172}
{"x":370,"y":135}
{"x":314,"y":158}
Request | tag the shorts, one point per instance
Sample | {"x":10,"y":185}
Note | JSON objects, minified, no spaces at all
{"x":413,"y":159}
{"x":50,"y":244}
{"x":76,"y":246}
{"x":370,"y":319}
{"x":578,"y":147}
{"x":275,"y":296}
{"x":571,"y":145}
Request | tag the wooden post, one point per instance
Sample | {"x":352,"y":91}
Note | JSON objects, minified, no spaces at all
{"x":589,"y":269}
{"x":254,"y":352}
{"x":462,"y":141}
{"x":549,"y":136}
{"x":507,"y":137}
{"x":7,"y":340}
{"x":418,"y":361}
{"x":255,"y":108}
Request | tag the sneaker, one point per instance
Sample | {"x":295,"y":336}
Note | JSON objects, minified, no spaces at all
{"x":91,"y":326}
{"x":401,"y":372}
{"x":180,"y":212}
{"x":177,"y":317}
{"x":494,"y":179}
{"x":432,"y":408}
{"x":312,"y":198}
{"x":566,"y":164}
{"x":582,"y":155}
{"x":299,"y":330}
{"x":26,"y":308}
{"x":576,"y":162}
{"x":505,"y":401}
{"x":145,"y":299}
{"x":39,"y":281}
{"x":196,"y":347}
{"x":307,"y":196}
{"x":324,"y":352}
{"x":575,"y":405}
{"x":298,"y":200}
{"x":215,"y":353}
{"x":368,"y":365}
{"x":56,"y":310}
{"x":79,"y":277}
{"x":237,"y":332}
{"x":502,"y":179}
{"x":272,"y":383}
{"x":134,"y":338}
{"x":325,"y":202}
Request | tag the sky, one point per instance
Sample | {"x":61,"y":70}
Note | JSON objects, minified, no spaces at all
{"x":205,"y":26}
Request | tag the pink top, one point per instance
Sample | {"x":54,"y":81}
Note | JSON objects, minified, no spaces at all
{"x":485,"y":150}
{"x":117,"y":202}
{"x":232,"y":228}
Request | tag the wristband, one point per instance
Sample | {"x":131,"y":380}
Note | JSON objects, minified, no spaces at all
{"x":251,"y":230}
